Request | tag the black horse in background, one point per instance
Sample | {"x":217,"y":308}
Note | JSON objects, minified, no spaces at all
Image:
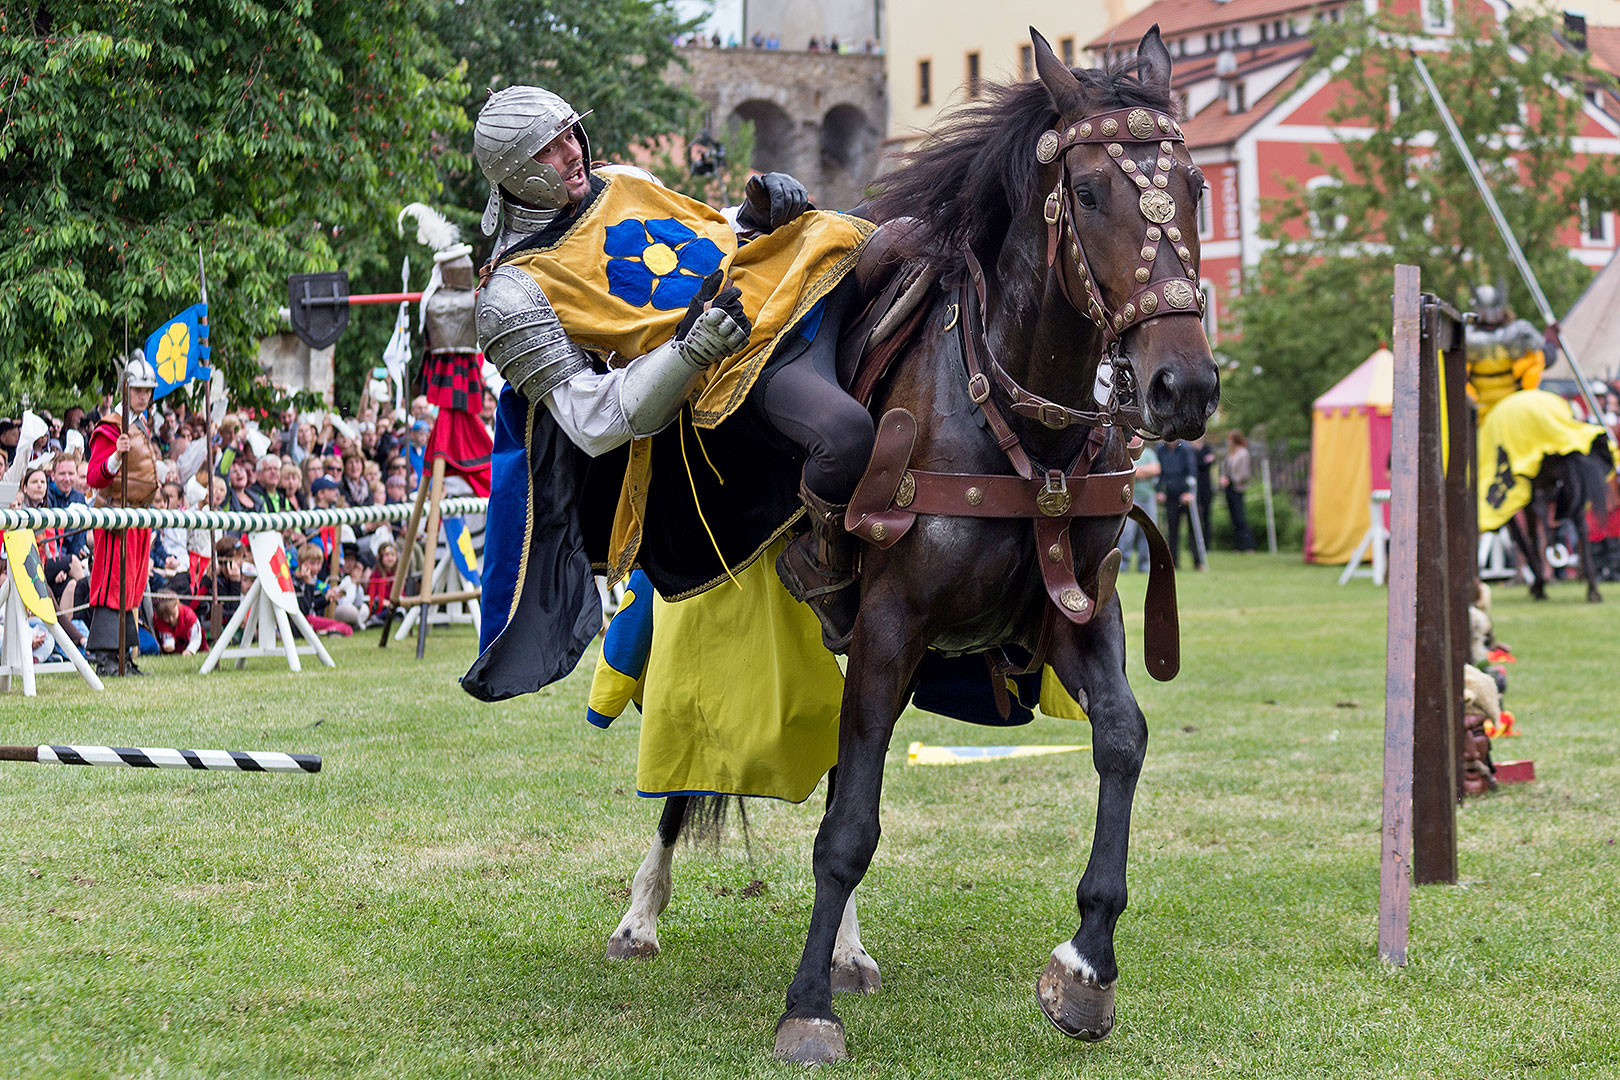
{"x":1565,"y":488}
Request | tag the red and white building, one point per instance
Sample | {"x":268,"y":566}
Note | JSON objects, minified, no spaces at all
{"x":1254,"y":123}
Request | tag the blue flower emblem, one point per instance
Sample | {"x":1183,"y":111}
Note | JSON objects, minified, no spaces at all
{"x":660,"y":262}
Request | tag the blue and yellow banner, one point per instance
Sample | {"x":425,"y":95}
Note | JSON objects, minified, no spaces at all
{"x":178,"y":350}
{"x":461,"y":551}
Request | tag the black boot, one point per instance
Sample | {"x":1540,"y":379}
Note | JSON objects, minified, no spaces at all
{"x":105,"y":661}
{"x":818,"y":568}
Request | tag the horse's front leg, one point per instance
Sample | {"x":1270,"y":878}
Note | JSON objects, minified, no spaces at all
{"x":637,"y":933}
{"x":1077,"y":989}
{"x":1528,"y":537}
{"x":881,"y":663}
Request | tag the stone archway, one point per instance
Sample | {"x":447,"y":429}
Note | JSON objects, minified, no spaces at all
{"x":775,"y":147}
{"x":849,"y":145}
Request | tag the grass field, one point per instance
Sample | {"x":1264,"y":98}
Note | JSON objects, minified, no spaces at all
{"x":435,"y":903}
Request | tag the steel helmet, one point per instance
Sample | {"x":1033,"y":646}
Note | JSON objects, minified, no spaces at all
{"x":138,"y":374}
{"x":515,"y":124}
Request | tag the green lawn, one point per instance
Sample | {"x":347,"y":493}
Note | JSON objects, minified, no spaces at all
{"x":435,"y":902}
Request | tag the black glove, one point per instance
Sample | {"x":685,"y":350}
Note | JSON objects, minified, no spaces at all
{"x":771,"y":201}
{"x":711,"y":295}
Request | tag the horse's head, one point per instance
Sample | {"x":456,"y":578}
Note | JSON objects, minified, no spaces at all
{"x":1121,"y":215}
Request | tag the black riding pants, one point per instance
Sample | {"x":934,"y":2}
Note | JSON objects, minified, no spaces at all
{"x":803,"y":402}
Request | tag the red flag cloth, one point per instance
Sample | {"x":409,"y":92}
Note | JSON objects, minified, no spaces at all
{"x":453,"y":380}
{"x":329,"y":538}
{"x":50,"y":543}
{"x":198,"y":568}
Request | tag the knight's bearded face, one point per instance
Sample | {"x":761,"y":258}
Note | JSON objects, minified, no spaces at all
{"x":564,"y":154}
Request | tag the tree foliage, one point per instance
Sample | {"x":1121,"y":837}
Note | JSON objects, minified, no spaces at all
{"x":609,"y":56}
{"x":1318,"y":302}
{"x":278,"y":137}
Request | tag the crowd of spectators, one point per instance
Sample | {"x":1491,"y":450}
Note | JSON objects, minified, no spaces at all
{"x":261,"y":464}
{"x":772,"y":42}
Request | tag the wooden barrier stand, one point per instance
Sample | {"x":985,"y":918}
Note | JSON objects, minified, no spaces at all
{"x":1433,"y":539}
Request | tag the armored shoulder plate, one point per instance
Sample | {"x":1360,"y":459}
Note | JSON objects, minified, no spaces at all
{"x":522,"y":336}
{"x":1515,"y":339}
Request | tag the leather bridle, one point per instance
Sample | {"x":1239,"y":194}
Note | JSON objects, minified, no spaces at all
{"x":1169,"y":296}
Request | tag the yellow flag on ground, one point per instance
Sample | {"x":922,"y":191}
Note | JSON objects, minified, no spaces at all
{"x":918,"y":754}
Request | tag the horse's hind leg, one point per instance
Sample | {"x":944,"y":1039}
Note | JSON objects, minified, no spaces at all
{"x":637,"y":933}
{"x":879,"y":673}
{"x":1589,"y":569}
{"x":1076,"y":992}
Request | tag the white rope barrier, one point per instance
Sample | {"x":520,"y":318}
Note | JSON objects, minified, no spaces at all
{"x":115,"y":517}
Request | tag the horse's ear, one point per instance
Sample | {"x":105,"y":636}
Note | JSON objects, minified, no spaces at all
{"x":1155,"y":59}
{"x":1068,"y":98}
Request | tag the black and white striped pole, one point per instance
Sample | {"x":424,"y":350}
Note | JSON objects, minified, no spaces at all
{"x":160,"y":757}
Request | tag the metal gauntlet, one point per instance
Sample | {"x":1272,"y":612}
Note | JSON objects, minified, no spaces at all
{"x":522,"y":336}
{"x":655,"y":385}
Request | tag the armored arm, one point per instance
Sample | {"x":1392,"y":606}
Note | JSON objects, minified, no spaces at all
{"x":523,"y":338}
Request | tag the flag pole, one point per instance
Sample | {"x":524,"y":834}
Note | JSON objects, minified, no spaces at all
{"x":214,"y":615}
{"x":121,"y":544}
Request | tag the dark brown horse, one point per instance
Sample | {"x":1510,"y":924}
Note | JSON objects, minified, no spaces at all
{"x":1077,"y":196}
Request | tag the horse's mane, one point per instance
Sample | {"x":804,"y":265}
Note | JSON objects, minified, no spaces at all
{"x":978,"y":168}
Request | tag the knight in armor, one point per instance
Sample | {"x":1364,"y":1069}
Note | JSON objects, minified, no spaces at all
{"x":612,"y":303}
{"x":121,"y":558}
{"x":1504,"y":354}
{"x":452,"y":368}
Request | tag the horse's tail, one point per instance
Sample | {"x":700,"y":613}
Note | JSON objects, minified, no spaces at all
{"x":706,"y":817}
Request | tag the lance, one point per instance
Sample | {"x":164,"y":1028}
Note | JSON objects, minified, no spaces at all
{"x":1514,"y":251}
{"x":162,"y":757}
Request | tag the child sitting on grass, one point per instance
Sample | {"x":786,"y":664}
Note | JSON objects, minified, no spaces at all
{"x":175,"y":626}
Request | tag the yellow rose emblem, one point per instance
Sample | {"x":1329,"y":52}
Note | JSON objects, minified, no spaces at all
{"x":173,"y":350}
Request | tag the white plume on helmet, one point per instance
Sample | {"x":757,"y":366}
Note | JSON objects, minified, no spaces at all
{"x":434,"y":230}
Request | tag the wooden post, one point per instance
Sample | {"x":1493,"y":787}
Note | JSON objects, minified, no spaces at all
{"x":406,"y":543}
{"x":430,"y":554}
{"x":1437,"y":684}
{"x":1395,"y":837}
{"x":1462,"y":511}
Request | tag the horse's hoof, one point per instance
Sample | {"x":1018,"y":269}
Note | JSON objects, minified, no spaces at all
{"x":856,"y":975}
{"x":624,"y":945}
{"x":1594,"y":597}
{"x":1079,"y":1008}
{"x":810,"y":1042}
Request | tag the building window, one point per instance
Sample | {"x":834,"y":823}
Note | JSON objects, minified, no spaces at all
{"x":1026,"y":62}
{"x":1209,"y":42}
{"x":1321,"y":198}
{"x":1207,"y":287}
{"x":1240,"y":97}
{"x":1265,"y":31}
{"x":925,"y":82}
{"x":1594,"y":226}
{"x":1206,"y":215}
{"x":972,"y":76}
{"x":1439,"y":16}
{"x":1066,"y":50}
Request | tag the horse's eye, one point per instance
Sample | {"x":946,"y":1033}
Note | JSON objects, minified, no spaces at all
{"x":1086,"y":197}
